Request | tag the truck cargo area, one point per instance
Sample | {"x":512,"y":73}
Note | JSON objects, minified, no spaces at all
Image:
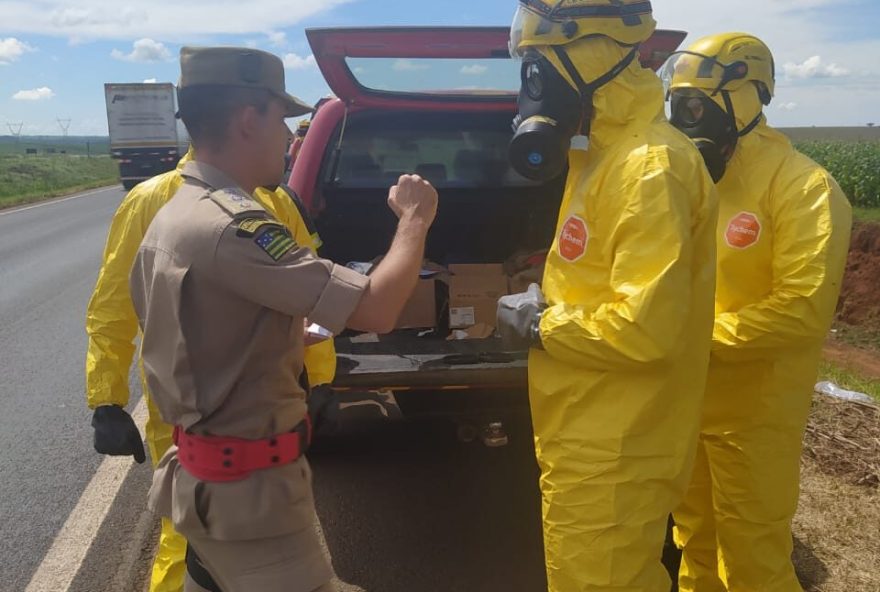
{"x":146,"y":138}
{"x":487,"y":213}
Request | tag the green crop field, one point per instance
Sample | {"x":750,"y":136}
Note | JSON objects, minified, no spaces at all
{"x":840,"y":134}
{"x":855,"y":165}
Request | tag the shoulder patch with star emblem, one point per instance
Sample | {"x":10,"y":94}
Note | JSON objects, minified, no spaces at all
{"x":275,"y":239}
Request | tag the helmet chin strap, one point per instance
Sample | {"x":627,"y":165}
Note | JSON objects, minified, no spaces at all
{"x":728,"y":103}
{"x":587,"y":90}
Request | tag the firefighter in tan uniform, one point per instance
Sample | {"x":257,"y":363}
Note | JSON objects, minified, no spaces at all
{"x":223,"y":292}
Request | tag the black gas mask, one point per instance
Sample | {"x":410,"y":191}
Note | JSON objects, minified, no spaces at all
{"x":711,"y":128}
{"x":551,"y":113}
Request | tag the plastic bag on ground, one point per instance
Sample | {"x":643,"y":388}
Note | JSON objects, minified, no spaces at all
{"x":832,"y":390}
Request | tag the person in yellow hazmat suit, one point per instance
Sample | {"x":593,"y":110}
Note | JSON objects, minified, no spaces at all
{"x":783,"y":235}
{"x":112,"y":325}
{"x":620,"y":335}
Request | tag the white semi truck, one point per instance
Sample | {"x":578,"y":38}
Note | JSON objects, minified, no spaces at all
{"x":146,"y":138}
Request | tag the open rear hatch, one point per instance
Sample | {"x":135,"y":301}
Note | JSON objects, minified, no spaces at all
{"x":456,"y":67}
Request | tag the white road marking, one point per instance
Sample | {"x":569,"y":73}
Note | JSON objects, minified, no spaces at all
{"x":53,"y":202}
{"x":61,"y":564}
{"x":69,"y":549}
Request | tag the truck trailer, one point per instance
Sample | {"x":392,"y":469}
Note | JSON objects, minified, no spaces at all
{"x":146,"y":138}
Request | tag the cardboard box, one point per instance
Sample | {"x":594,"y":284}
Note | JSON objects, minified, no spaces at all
{"x":520,"y":282}
{"x":420,"y":311}
{"x":525,"y":269}
{"x":474,"y":290}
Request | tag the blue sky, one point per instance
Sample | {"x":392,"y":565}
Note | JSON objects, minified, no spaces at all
{"x":55,"y":55}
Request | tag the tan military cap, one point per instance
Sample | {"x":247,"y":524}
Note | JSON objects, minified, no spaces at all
{"x":237,"y":66}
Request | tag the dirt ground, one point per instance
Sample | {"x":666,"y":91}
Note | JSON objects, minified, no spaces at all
{"x":837,"y":528}
{"x":837,"y":545}
{"x":863,"y":361}
{"x":859,"y":301}
{"x":843,"y":440}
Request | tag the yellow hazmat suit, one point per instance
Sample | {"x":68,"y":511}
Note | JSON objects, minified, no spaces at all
{"x":783,"y":236}
{"x":112,"y":325}
{"x":616,"y":395}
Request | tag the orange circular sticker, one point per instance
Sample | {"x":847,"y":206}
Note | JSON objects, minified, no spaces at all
{"x":573,"y":238}
{"x":743,"y":230}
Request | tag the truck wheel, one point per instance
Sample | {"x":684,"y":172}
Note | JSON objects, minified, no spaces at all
{"x":129,"y":185}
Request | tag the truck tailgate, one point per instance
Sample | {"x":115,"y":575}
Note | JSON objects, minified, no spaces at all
{"x":403,"y":360}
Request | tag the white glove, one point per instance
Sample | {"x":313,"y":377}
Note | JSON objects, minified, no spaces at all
{"x":519,"y":318}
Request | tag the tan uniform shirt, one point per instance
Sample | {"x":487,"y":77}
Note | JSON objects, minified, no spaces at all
{"x":222,"y":292}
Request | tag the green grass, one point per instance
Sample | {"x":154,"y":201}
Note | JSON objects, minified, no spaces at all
{"x":866,"y":214}
{"x":25,"y":179}
{"x":849,"y":380}
{"x":857,"y":336}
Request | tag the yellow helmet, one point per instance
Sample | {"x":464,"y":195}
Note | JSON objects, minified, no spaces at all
{"x":541,"y":23}
{"x":727,"y":61}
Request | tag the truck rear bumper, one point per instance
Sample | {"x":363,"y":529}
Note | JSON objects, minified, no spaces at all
{"x":404,"y":361}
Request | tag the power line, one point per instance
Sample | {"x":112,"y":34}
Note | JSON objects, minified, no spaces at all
{"x":64,"y":124}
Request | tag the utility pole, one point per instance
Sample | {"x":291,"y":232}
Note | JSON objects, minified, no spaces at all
{"x":15,"y":130}
{"x":64,"y":124}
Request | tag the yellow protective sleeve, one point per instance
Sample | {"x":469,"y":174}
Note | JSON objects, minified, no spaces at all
{"x":642,"y":318}
{"x":111,"y":323}
{"x":806,"y":255}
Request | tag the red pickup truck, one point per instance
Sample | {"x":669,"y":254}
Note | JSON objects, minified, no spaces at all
{"x":438,"y":102}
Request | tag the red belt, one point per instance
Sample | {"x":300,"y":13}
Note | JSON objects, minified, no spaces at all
{"x":221,"y":458}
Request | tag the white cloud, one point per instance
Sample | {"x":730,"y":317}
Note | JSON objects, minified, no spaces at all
{"x":293,"y":61}
{"x":408,"y":66}
{"x":277,"y":38}
{"x":11,"y":49}
{"x":169,"y":20}
{"x":813,"y":68}
{"x":36,"y":94}
{"x":791,"y":28}
{"x":474,"y":69}
{"x":790,"y":106}
{"x":144,"y":50}
{"x":150,"y":81}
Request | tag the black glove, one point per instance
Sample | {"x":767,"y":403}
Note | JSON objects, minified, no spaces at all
{"x":519,"y":318}
{"x":116,"y":434}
